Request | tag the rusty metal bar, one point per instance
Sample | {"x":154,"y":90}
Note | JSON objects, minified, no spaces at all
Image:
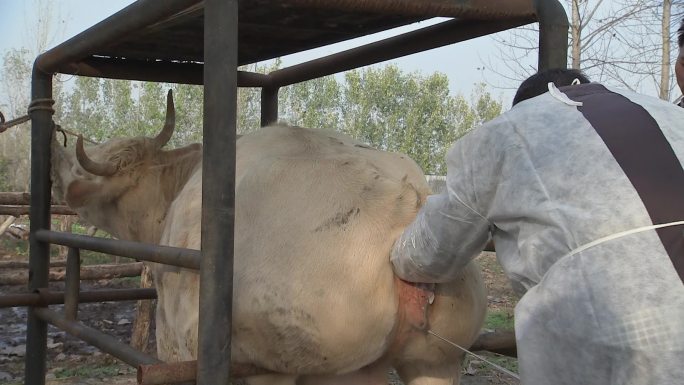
{"x":72,"y":283}
{"x":218,"y":191}
{"x":171,"y":373}
{"x":102,"y":341}
{"x":25,"y":210}
{"x":39,"y":251}
{"x":434,"y":36}
{"x":269,"y":105}
{"x":186,"y":371}
{"x":44,"y":297}
{"x":553,"y":34}
{"x":154,"y":71}
{"x":137,"y":250}
{"x":136,"y":16}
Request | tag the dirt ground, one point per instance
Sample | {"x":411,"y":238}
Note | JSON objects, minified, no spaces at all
{"x":71,"y":361}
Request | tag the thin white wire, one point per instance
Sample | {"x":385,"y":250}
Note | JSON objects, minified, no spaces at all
{"x":620,"y":235}
{"x":498,"y":367}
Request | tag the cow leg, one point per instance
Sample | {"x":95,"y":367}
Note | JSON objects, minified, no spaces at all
{"x":430,"y":374}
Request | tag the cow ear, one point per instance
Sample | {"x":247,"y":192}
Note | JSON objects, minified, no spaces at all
{"x":80,"y":191}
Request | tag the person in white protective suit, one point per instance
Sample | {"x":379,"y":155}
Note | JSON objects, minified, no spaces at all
{"x":582,"y":191}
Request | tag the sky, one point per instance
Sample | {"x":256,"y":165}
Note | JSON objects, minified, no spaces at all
{"x":465,"y":64}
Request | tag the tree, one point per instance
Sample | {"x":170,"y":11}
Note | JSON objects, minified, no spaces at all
{"x":411,"y":113}
{"x":614,"y":42}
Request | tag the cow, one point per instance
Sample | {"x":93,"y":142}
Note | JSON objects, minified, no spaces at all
{"x":316,"y":214}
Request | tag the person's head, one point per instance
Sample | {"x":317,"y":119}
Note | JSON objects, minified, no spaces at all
{"x":679,"y":64}
{"x":537,"y":84}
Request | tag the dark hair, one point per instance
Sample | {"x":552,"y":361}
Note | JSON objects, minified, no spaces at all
{"x":537,"y":84}
{"x":680,"y":34}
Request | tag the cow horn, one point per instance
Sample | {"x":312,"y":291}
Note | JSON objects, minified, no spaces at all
{"x":93,"y":167}
{"x":165,"y":135}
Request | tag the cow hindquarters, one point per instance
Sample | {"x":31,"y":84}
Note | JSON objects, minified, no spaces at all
{"x":457,"y":314}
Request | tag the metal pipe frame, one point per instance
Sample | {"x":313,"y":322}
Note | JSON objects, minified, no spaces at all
{"x":269,"y":105}
{"x":138,"y":15}
{"x":44,"y":297}
{"x":39,"y":251}
{"x":420,"y":40}
{"x":102,"y":341}
{"x":218,"y":191}
{"x":72,"y":283}
{"x":553,"y":34}
{"x":168,"y":255}
{"x":220,"y":79}
{"x":156,"y":71}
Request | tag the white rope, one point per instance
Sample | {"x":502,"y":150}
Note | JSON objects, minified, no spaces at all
{"x":620,"y":235}
{"x":498,"y":367}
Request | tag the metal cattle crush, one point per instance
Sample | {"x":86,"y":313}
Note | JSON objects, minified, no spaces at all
{"x":204,"y":42}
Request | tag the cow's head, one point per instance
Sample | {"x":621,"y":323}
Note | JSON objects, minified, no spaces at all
{"x":125,"y":185}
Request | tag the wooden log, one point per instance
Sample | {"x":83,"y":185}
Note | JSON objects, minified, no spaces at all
{"x":24,"y":210}
{"x":7,"y":223}
{"x":20,"y":198}
{"x":25,"y":265}
{"x":88,"y":273}
{"x":143,"y":315}
{"x":501,"y":342}
{"x":18,"y":233}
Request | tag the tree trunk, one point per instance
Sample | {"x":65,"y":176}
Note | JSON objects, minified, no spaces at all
{"x":143,"y":315}
{"x":665,"y":65}
{"x":576,"y":33}
{"x":88,"y":273}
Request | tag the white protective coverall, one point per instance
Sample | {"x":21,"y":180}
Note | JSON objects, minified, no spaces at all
{"x":570,"y":195}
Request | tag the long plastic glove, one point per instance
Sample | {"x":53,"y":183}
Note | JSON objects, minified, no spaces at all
{"x":442,"y":239}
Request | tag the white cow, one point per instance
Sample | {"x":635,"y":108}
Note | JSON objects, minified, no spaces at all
{"x":315,"y":298}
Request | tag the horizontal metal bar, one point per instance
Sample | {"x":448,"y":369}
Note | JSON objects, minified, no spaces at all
{"x":154,"y":71}
{"x":102,"y":341}
{"x":136,"y":16}
{"x":434,"y":36}
{"x":168,"y":255}
{"x":24,"y":210}
{"x":470,"y":9}
{"x":46,"y":297}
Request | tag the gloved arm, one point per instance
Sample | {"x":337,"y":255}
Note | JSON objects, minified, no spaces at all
{"x":444,"y":237}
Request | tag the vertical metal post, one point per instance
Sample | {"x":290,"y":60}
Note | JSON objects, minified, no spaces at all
{"x":218,"y":191}
{"x":39,"y":252}
{"x":72,"y":283}
{"x":553,"y":34}
{"x":269,"y":105}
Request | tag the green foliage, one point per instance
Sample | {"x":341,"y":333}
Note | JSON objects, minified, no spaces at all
{"x":93,"y":371}
{"x":499,"y":320}
{"x":385,"y":107}
{"x":411,"y":113}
